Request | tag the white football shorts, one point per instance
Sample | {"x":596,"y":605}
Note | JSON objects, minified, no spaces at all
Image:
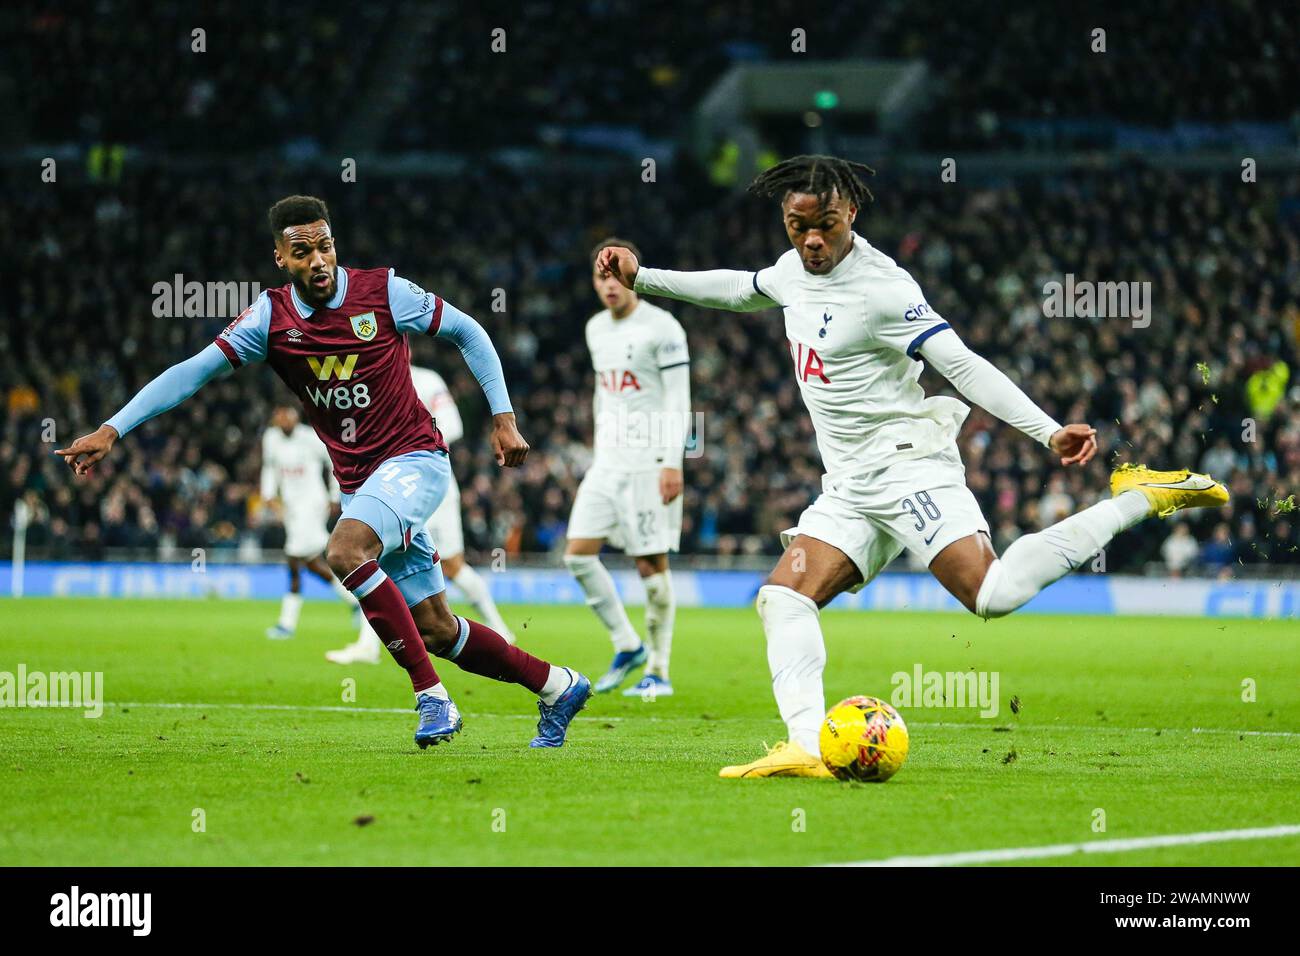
{"x":444,"y":525}
{"x":305,"y":531}
{"x":921,"y":505}
{"x":626,"y":509}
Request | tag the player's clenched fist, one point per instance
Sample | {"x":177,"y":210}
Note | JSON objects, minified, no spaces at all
{"x":619,"y":262}
{"x":1076,"y":444}
{"x":93,"y":446}
{"x":507,"y":444}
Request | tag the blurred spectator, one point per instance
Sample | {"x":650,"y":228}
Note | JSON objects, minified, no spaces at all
{"x":1179,"y":550}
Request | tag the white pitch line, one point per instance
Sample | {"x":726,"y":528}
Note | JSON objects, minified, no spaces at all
{"x":1138,"y":730}
{"x":1012,"y":854}
{"x":325,"y":709}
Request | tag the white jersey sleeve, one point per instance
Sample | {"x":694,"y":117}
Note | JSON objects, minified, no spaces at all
{"x":898,"y":317}
{"x":437,"y":398}
{"x":270,"y":477}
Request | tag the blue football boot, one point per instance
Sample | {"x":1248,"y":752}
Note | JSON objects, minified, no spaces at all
{"x":623,"y":664}
{"x":439,"y":720}
{"x":279,"y":633}
{"x":554,"y":722}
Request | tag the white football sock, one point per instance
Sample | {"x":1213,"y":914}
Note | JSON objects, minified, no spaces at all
{"x":368,"y":640}
{"x":660,"y":609}
{"x":557,"y":682}
{"x":344,"y":594}
{"x":475,"y":588}
{"x":602,"y":597}
{"x":437,"y":690}
{"x":1036,"y":560}
{"x":290,"y":608}
{"x":796,"y":655}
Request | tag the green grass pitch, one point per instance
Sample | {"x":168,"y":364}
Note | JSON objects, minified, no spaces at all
{"x":287,"y":767}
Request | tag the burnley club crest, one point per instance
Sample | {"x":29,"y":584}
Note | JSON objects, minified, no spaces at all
{"x":364,"y":326}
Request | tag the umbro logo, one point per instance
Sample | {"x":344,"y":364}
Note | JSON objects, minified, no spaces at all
{"x":294,"y":334}
{"x":397,"y":645}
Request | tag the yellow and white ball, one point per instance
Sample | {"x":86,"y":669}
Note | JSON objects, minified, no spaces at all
{"x":863,"y":738}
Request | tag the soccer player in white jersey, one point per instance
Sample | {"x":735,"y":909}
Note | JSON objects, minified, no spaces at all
{"x":858,"y":328}
{"x":295,"y":466}
{"x":632,"y":495}
{"x":444,"y":527}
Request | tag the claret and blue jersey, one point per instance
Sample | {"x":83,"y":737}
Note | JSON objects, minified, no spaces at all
{"x":349,"y":364}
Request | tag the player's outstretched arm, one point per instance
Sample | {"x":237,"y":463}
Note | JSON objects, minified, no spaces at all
{"x":165,"y":392}
{"x":981,"y":382}
{"x":481,"y":357}
{"x":728,"y":289}
{"x":423,"y":313}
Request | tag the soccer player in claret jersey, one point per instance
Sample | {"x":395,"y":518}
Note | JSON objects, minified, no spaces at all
{"x":443,"y":527}
{"x":337,"y":338}
{"x":858,"y":328}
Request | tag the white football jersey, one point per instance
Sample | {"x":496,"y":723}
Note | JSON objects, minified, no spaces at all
{"x":853,"y":336}
{"x":633,"y":431}
{"x":294,"y":467}
{"x":437,"y":399}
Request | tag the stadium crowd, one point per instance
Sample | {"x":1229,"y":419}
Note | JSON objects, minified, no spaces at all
{"x":1206,"y":383}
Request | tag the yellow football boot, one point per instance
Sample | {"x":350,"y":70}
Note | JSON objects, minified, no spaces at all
{"x":782,"y":760}
{"x":1169,"y":491}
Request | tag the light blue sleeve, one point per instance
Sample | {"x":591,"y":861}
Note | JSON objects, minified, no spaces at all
{"x":244,"y":340}
{"x":415,"y":310}
{"x":480,"y":356}
{"x":171,"y":388}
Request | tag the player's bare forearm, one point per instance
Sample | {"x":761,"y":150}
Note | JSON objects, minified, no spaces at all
{"x":1076,"y":444}
{"x":84,"y":453}
{"x":507,"y":444}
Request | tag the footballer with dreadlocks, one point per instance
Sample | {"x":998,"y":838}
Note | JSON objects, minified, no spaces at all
{"x":337,"y":339}
{"x":858,"y":328}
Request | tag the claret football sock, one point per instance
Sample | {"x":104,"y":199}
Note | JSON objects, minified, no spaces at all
{"x":481,"y":650}
{"x":660,"y":608}
{"x":1034,"y":561}
{"x":386,"y":609}
{"x":290,"y":609}
{"x":796,"y":655}
{"x":602,"y":597}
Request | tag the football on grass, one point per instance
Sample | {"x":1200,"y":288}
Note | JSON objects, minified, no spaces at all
{"x":863,"y":738}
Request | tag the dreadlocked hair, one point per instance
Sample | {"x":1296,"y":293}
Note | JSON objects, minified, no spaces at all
{"x":818,"y":175}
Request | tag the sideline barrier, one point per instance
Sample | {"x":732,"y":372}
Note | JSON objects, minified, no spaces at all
{"x":1080,"y":593}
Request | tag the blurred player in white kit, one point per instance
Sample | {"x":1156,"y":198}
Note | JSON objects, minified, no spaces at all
{"x":632,"y":495}
{"x":298,"y":482}
{"x":444,"y":527}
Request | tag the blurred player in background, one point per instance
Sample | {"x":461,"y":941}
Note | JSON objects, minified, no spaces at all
{"x":444,"y":528}
{"x":298,"y":483}
{"x":337,"y":338}
{"x":632,"y":495}
{"x":858,"y":328}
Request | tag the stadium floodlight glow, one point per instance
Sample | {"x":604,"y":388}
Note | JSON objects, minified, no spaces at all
{"x":826,"y":99}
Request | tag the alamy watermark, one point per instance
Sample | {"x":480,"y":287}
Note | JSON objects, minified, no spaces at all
{"x":621,"y":428}
{"x":1084,"y":299}
{"x":922,"y":688}
{"x":55,"y":689}
{"x":198,"y":300}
